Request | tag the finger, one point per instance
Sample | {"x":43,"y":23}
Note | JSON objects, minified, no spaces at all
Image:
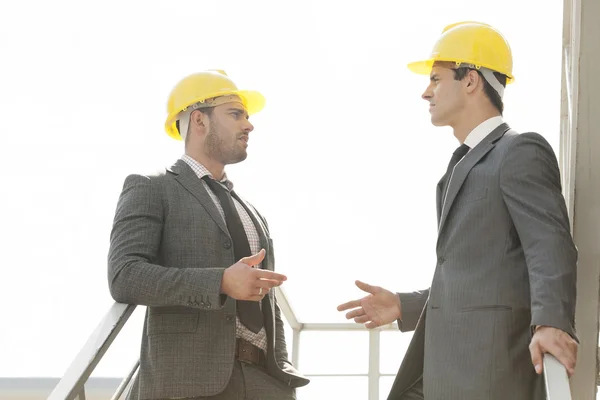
{"x":366,"y":287}
{"x":362,"y":319}
{"x":254,"y":259}
{"x":348,"y":305}
{"x":261,"y":290}
{"x":536,"y":357}
{"x":355,"y":313}
{"x":266,"y":274}
{"x":372,"y":325}
{"x":565,"y":357}
{"x":267,"y":283}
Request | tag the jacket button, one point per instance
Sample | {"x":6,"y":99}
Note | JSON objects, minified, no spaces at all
{"x":229,"y":318}
{"x":227,"y":244}
{"x":441,"y":260}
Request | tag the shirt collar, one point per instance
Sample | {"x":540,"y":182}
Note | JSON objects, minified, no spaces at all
{"x":482,"y":130}
{"x":201,"y":171}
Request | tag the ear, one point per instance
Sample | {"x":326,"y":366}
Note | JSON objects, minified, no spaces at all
{"x":198,"y":119}
{"x":472,"y":80}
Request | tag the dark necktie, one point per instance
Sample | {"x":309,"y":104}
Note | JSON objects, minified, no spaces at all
{"x":458,"y":154}
{"x":248,"y":311}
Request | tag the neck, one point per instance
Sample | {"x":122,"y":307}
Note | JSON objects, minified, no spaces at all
{"x":216,"y":169}
{"x":472,"y":120}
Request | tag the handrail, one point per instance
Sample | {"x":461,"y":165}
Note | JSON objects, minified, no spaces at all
{"x":125,"y":383}
{"x":556,"y":379}
{"x":71,"y":386}
{"x":72,"y":383}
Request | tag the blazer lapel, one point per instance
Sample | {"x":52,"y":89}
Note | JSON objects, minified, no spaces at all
{"x":189,"y":180}
{"x":463,"y":168}
{"x":438,"y":199}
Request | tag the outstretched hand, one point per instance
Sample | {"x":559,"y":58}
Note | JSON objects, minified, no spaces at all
{"x":244,"y":282}
{"x":379,"y":307}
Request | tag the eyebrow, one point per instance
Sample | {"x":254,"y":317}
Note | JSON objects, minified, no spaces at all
{"x":236,"y":109}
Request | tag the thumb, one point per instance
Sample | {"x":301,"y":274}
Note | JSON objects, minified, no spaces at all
{"x":254,"y":259}
{"x":365,"y":287}
{"x":537,"y":358}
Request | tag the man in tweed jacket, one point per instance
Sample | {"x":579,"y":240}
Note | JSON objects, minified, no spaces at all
{"x":172,"y":250}
{"x":503,"y":291}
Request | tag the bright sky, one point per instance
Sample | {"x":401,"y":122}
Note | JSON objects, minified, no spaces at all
{"x":343,"y":161}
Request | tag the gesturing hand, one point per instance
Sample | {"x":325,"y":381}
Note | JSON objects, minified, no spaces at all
{"x":380,"y":307}
{"x":560,"y":344}
{"x":243,"y":282}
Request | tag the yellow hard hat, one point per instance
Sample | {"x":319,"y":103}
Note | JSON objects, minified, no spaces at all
{"x":201,"y":86}
{"x":473,"y":43}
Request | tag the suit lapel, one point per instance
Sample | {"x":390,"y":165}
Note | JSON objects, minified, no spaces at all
{"x":438,"y":198}
{"x":189,"y":180}
{"x":462,"y":169}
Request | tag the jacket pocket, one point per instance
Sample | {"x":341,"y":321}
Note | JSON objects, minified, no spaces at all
{"x":473,"y":195}
{"x":172,"y":323}
{"x":496,"y":307}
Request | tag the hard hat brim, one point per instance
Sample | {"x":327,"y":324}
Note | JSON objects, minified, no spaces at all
{"x":421,"y":67}
{"x":424,"y":68}
{"x":254,"y":101}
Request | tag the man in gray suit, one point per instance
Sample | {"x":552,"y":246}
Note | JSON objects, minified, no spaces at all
{"x":200,"y":258}
{"x":503,"y":291}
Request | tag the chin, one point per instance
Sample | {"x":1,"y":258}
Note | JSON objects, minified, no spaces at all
{"x":239,"y":158}
{"x":437,"y":122}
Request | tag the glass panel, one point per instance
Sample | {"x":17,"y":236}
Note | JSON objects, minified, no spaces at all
{"x":334,"y":352}
{"x":335,"y":387}
{"x":393,"y":346}
{"x":385,"y":385}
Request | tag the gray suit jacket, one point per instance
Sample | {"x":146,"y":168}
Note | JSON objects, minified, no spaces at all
{"x":506,"y":262}
{"x":169,"y":247}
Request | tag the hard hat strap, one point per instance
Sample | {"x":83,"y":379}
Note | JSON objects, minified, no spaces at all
{"x":184,"y":122}
{"x":490,"y":77}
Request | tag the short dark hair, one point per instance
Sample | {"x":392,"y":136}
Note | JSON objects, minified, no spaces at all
{"x":490,"y":92}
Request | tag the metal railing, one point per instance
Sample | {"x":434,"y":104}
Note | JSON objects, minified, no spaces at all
{"x":72,"y":384}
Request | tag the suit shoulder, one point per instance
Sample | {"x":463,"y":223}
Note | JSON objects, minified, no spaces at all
{"x":526,"y":142}
{"x":512,"y":138}
{"x":151,"y":177}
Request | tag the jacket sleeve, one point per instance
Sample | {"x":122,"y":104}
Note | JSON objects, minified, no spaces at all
{"x":412,"y":305}
{"x":530,"y":184}
{"x":134,"y":277}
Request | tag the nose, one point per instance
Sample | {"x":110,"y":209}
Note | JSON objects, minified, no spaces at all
{"x":427,"y":94}
{"x":248,"y":127}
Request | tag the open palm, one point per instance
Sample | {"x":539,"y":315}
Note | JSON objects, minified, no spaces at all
{"x":379,"y":307}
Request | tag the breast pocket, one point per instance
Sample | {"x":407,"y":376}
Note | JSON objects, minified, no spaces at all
{"x":472,"y":195}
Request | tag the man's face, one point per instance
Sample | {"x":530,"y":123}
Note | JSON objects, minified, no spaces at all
{"x":228,"y":133}
{"x":446,"y":96}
